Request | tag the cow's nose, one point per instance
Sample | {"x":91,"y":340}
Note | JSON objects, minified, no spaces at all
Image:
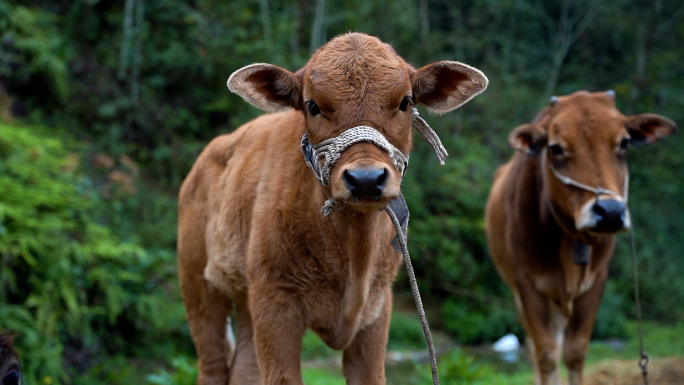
{"x":610,"y":215}
{"x":365,"y":183}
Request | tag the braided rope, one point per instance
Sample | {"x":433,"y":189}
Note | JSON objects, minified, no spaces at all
{"x":416,"y":294}
{"x":430,"y":135}
{"x":331,"y":149}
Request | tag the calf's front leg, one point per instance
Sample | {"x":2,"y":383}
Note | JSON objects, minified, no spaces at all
{"x":278,"y":330}
{"x":363,"y":360}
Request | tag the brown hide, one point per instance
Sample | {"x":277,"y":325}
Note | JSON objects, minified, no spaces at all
{"x":533,"y":220}
{"x":10,"y":369}
{"x":251,"y":232}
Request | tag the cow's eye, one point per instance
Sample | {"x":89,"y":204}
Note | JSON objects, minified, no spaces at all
{"x":313,"y":108}
{"x":405,"y":102}
{"x":556,"y":150}
{"x":624,"y":143}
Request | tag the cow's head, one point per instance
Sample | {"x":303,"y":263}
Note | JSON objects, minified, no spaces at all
{"x":583,"y":137}
{"x":356,"y":80}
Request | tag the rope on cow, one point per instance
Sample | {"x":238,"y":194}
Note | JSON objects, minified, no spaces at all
{"x":331,"y":149}
{"x":416,"y":294}
{"x":643,"y":356}
{"x":430,"y":135}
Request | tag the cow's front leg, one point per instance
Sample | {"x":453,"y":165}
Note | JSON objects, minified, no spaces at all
{"x":545,"y":325}
{"x":579,"y":330}
{"x":363,"y":360}
{"x":278,"y":330}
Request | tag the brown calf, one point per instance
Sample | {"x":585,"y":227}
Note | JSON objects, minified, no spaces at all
{"x":550,"y":237}
{"x":251,"y":232}
{"x":10,"y":368}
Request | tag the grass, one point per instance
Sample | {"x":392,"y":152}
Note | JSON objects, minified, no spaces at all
{"x":659,"y":341}
{"x":456,"y":368}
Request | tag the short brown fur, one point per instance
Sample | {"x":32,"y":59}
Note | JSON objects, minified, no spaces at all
{"x":251,"y":232}
{"x":532,"y":247}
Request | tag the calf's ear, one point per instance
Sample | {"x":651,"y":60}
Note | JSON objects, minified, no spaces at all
{"x":645,"y":129}
{"x":446,"y":85}
{"x":528,"y":138}
{"x":267,"y":87}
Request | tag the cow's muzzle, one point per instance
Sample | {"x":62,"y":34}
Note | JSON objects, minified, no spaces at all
{"x":606,"y":216}
{"x":366,"y":183}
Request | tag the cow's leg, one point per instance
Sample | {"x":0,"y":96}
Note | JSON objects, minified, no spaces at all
{"x":206,"y":308}
{"x":363,"y":360}
{"x":529,"y":341}
{"x":278,"y":327}
{"x":579,"y":330}
{"x":538,"y":317}
{"x":207,"y":311}
{"x":245,"y":368}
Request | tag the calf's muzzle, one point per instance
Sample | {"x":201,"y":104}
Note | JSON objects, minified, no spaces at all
{"x":366,"y":183}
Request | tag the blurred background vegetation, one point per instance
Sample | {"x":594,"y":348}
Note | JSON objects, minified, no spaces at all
{"x":105,"y":105}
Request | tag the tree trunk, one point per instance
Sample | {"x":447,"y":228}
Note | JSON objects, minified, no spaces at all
{"x":319,"y":26}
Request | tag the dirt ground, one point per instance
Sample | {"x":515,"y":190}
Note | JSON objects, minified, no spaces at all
{"x":661,"y":371}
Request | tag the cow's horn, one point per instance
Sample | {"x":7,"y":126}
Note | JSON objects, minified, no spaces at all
{"x":611,"y":93}
{"x":553,"y":101}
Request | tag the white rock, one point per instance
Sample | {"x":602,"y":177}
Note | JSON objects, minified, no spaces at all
{"x":507,"y":343}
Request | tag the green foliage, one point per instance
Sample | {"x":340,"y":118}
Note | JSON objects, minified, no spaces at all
{"x":184,"y":373}
{"x":65,"y":278}
{"x":31,"y":47}
{"x":314,"y":347}
{"x":405,"y":332}
{"x":315,"y":376}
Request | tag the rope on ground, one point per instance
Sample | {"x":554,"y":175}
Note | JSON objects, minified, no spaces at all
{"x":416,"y":294}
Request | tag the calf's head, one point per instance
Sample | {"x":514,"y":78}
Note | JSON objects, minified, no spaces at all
{"x":10,"y":369}
{"x":584,"y":137}
{"x":355,"y":81}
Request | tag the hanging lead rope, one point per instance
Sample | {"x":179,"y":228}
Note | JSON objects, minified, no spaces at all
{"x":643,"y":356}
{"x":416,"y":293}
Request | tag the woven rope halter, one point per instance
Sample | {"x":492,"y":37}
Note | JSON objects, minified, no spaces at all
{"x":331,"y":149}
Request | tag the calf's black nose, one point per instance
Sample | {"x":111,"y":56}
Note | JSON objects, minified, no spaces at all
{"x":365,"y":183}
{"x":610,"y":215}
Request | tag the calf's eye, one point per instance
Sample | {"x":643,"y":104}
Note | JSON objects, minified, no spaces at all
{"x":556,"y":150}
{"x":313,"y":108}
{"x":405,"y":102}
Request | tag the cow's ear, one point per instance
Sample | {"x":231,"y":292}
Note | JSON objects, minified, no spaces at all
{"x":528,"y":138}
{"x":267,"y":87}
{"x":645,"y":129}
{"x":446,"y":85}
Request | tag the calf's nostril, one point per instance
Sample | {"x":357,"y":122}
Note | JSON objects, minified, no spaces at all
{"x":382,"y":178}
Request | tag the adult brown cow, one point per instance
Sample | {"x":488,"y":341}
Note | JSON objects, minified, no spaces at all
{"x":251,"y":231}
{"x":552,"y":216}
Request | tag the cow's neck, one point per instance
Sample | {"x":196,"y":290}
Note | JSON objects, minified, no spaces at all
{"x":360,"y":235}
{"x":559,"y":236}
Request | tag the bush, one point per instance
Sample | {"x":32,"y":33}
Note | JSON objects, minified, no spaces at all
{"x":70,"y":287}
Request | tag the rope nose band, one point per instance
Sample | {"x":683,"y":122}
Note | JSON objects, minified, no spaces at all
{"x":566,"y":180}
{"x":331,"y":149}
